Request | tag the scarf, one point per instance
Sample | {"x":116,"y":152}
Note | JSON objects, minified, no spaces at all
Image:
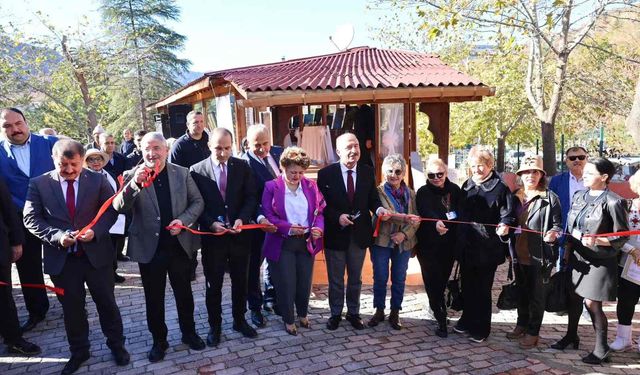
{"x":399,"y":197}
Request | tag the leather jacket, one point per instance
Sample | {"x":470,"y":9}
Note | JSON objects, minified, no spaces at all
{"x":606,"y":214}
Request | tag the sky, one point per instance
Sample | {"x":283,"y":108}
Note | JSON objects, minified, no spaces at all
{"x":227,"y":33}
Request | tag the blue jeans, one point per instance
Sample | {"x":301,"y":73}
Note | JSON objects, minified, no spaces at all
{"x":380,"y":257}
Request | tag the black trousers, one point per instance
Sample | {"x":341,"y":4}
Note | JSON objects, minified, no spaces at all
{"x":175,"y":263}
{"x":76,"y":272}
{"x":476,"y":295}
{"x":30,"y":272}
{"x":292,"y":274}
{"x":255,"y":297}
{"x":532,"y":301}
{"x":214,"y":262}
{"x":9,"y":324}
{"x":435,"y":267}
{"x":628,"y":296}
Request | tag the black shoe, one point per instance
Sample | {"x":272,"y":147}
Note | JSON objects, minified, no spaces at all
{"x":355,"y":321}
{"x":213,"y":337}
{"x":566,"y":341}
{"x":593,"y":359}
{"x":156,"y":354}
{"x":193,"y":341}
{"x":121,"y":355}
{"x":74,"y":363}
{"x":243,"y":327}
{"x":123,"y":258}
{"x":31,"y":323}
{"x":376,"y":318}
{"x":394,"y":320}
{"x":333,"y":322}
{"x":441,"y":331}
{"x":23,"y":347}
{"x":119,"y":279}
{"x":293,"y":331}
{"x":458,"y":328}
{"x":257,"y":319}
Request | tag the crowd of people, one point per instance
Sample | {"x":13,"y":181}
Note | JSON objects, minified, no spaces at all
{"x":158,"y":197}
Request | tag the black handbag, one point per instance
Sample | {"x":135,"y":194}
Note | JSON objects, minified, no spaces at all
{"x":454,"y":291}
{"x":511,"y":293}
{"x":558,"y":292}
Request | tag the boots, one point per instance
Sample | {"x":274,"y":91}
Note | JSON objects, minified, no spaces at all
{"x":517,"y":333}
{"x":623,"y":339}
{"x":394,"y":319}
{"x":528,"y":341}
{"x":442,"y":328}
{"x":376,"y":318}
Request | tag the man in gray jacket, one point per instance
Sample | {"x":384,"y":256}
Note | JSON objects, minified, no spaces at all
{"x":161,"y":195}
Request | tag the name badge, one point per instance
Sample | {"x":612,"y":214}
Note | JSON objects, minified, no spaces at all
{"x":518,"y":230}
{"x":576,"y":234}
{"x":451,"y":215}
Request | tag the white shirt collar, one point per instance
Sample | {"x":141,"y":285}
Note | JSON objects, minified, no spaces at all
{"x":216,"y":162}
{"x":8,"y":145}
{"x":574,"y":178}
{"x":344,"y":168}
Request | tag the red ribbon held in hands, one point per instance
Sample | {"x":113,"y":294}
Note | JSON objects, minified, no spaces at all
{"x":226,"y":230}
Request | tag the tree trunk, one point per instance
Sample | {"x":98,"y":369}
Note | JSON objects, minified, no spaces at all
{"x":633,"y":121}
{"x":143,"y":110}
{"x":500,"y":154}
{"x":548,"y":147}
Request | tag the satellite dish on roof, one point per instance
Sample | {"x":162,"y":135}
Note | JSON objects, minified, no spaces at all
{"x":343,"y":36}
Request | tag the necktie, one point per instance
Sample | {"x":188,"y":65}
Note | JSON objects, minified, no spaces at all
{"x":71,"y":199}
{"x":350,"y":187}
{"x":222,"y":184}
{"x":268,"y":165}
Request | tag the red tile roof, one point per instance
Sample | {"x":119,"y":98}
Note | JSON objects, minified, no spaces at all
{"x":356,"y":68}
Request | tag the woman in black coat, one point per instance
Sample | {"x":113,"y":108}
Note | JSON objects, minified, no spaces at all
{"x":480,"y":248}
{"x":594,"y":259}
{"x":437,"y":199}
{"x":538,"y":209}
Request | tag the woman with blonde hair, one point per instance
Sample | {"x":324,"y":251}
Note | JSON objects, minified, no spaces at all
{"x":395,"y":242}
{"x":295,"y":206}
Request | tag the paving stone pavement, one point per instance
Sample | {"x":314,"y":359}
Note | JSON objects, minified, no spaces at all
{"x":414,"y":350}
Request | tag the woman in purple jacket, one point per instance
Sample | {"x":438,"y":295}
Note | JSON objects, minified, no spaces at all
{"x":294,"y":205}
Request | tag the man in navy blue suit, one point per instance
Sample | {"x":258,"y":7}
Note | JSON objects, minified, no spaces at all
{"x":116,"y":165}
{"x":264,"y":160}
{"x":23,"y":156}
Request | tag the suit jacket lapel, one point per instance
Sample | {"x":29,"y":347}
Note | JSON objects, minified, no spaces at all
{"x":174,"y":185}
{"x":279,"y":197}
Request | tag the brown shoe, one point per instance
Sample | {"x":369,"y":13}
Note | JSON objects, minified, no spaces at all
{"x":517,"y":333}
{"x":528,"y":341}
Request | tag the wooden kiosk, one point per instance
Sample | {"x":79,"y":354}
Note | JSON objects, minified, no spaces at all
{"x":315,"y":90}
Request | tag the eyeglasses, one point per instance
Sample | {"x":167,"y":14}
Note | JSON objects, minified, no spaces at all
{"x":397,"y":172}
{"x":94,"y":160}
{"x":579,"y":157}
{"x":433,"y":176}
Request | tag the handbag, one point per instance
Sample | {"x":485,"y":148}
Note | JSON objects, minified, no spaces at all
{"x":558,"y":292}
{"x":511,"y":293}
{"x":454,"y":291}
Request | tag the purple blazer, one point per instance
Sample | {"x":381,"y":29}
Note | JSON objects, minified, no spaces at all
{"x":273,"y":209}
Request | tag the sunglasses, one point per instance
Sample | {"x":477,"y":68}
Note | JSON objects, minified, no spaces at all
{"x":433,"y":176}
{"x":94,"y":160}
{"x":578,"y":157}
{"x":397,"y":172}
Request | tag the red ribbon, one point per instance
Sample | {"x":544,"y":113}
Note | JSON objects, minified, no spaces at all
{"x":226,"y":230}
{"x":153,"y":173}
{"x":58,"y":291}
{"x":613,"y":234}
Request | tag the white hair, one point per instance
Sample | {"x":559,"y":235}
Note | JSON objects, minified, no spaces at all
{"x":153,"y":136}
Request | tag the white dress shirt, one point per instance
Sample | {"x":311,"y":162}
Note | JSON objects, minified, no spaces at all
{"x":22,"y":155}
{"x":217,"y":169}
{"x":296,"y":206}
{"x":575,"y":185}
{"x":270,"y":159}
{"x":345,"y":175}
{"x":63,"y":185}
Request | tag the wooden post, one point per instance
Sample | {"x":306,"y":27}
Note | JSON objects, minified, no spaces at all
{"x":407,"y":130}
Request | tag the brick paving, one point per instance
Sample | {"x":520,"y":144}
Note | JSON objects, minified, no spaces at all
{"x":414,"y":350}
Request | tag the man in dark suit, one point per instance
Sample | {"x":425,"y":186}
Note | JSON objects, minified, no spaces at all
{"x":58,"y":204}
{"x":160,"y":195}
{"x":228,"y":188}
{"x":11,"y":240}
{"x":23,"y":156}
{"x":350,"y":191}
{"x":136,"y":155}
{"x":264,"y":160}
{"x":128,"y":145}
{"x":117,"y":162}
